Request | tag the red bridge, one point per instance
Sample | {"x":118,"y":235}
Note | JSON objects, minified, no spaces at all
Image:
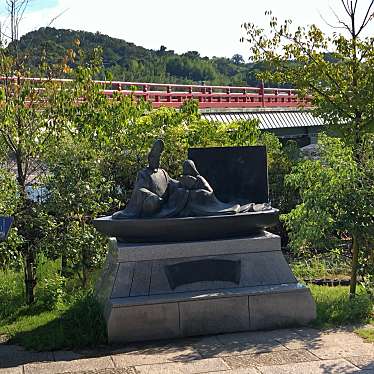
{"x":279,"y":110}
{"x":173,"y":95}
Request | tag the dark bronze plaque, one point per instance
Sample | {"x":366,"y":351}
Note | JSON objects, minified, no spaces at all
{"x":237,"y":174}
{"x":203,"y":270}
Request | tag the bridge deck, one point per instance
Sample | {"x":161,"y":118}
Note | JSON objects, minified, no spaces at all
{"x":174,"y":95}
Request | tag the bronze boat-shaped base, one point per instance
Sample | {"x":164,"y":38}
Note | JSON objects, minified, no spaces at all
{"x":156,"y":230}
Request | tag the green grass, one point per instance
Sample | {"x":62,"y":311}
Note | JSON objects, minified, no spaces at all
{"x":71,"y":319}
{"x":56,"y":321}
{"x":78,"y":325}
{"x":324,"y":266}
{"x":11,"y":295}
{"x":367,"y":333}
{"x":335,"y":308}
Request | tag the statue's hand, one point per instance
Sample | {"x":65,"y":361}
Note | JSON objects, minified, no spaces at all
{"x":151,"y":203}
{"x":188,"y":181}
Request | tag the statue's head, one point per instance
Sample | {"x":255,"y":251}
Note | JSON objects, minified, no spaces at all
{"x":154,"y":155}
{"x":189,"y":168}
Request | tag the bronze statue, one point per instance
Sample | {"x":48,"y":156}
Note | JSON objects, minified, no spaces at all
{"x":157,"y":195}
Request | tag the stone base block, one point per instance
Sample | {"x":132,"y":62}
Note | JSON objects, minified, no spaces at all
{"x":210,"y":316}
{"x":172,"y":290}
{"x":276,"y":310}
{"x":143,"y":322}
{"x":190,"y":314}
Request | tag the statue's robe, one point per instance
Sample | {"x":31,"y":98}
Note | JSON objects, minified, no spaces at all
{"x":156,"y":195}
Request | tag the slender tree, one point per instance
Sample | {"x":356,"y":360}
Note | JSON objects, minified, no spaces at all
{"x":338,"y":71}
{"x":15,"y":13}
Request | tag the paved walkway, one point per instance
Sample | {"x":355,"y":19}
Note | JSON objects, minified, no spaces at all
{"x":272,"y":352}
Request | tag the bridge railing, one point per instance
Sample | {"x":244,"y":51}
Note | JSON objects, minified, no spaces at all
{"x":173,"y":95}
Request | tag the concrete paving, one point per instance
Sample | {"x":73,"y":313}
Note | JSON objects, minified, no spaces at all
{"x":287,"y":351}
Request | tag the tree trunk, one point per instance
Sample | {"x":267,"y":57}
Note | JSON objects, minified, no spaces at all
{"x":354,"y":266}
{"x":85,"y":256}
{"x":30,"y":276}
{"x":64,"y":266}
{"x":85,"y":271}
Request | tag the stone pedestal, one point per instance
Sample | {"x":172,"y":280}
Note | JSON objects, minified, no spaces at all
{"x":157,"y":291}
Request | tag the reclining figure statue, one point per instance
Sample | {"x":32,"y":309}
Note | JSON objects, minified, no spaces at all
{"x":157,"y":195}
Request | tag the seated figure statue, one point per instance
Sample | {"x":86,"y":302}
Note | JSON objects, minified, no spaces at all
{"x":201,"y":200}
{"x":157,"y":195}
{"x":153,"y":190}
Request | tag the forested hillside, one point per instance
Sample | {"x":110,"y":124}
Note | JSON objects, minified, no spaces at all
{"x":128,"y":62}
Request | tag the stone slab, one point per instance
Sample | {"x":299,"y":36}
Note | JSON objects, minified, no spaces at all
{"x":214,"y":316}
{"x":74,"y":366}
{"x":285,"y":338}
{"x":329,"y":352}
{"x":141,"y":279}
{"x":155,"y":355}
{"x":237,"y":349}
{"x":267,"y":359}
{"x":156,"y":251}
{"x":109,"y":371}
{"x":123,"y":280}
{"x":12,"y":370}
{"x":66,"y":355}
{"x":314,"y":339}
{"x":143,"y":322}
{"x":252,"y":337}
{"x":12,"y":356}
{"x":199,"y":366}
{"x":237,"y":371}
{"x":263,"y":269}
{"x":363,"y":362}
{"x":273,"y":311}
{"x":331,"y":337}
{"x":200,"y":314}
{"x":314,"y":367}
{"x":105,"y":283}
{"x":244,"y":343}
{"x":207,"y":346}
{"x":211,"y":294}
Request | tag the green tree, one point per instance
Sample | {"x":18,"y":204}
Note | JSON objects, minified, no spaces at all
{"x":33,"y":117}
{"x":78,"y":191}
{"x":332,"y":206}
{"x":25,"y":136}
{"x":9,"y":200}
{"x":338,"y":71}
{"x":237,"y":59}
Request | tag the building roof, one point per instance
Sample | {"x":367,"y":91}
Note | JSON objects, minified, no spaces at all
{"x":268,"y":119}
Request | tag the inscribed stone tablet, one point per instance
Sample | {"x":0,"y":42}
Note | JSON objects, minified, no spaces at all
{"x":236,"y":173}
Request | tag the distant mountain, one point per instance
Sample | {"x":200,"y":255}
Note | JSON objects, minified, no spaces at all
{"x":129,"y":62}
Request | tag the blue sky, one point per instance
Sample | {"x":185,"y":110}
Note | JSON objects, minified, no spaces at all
{"x":34,"y":5}
{"x":211,"y":27}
